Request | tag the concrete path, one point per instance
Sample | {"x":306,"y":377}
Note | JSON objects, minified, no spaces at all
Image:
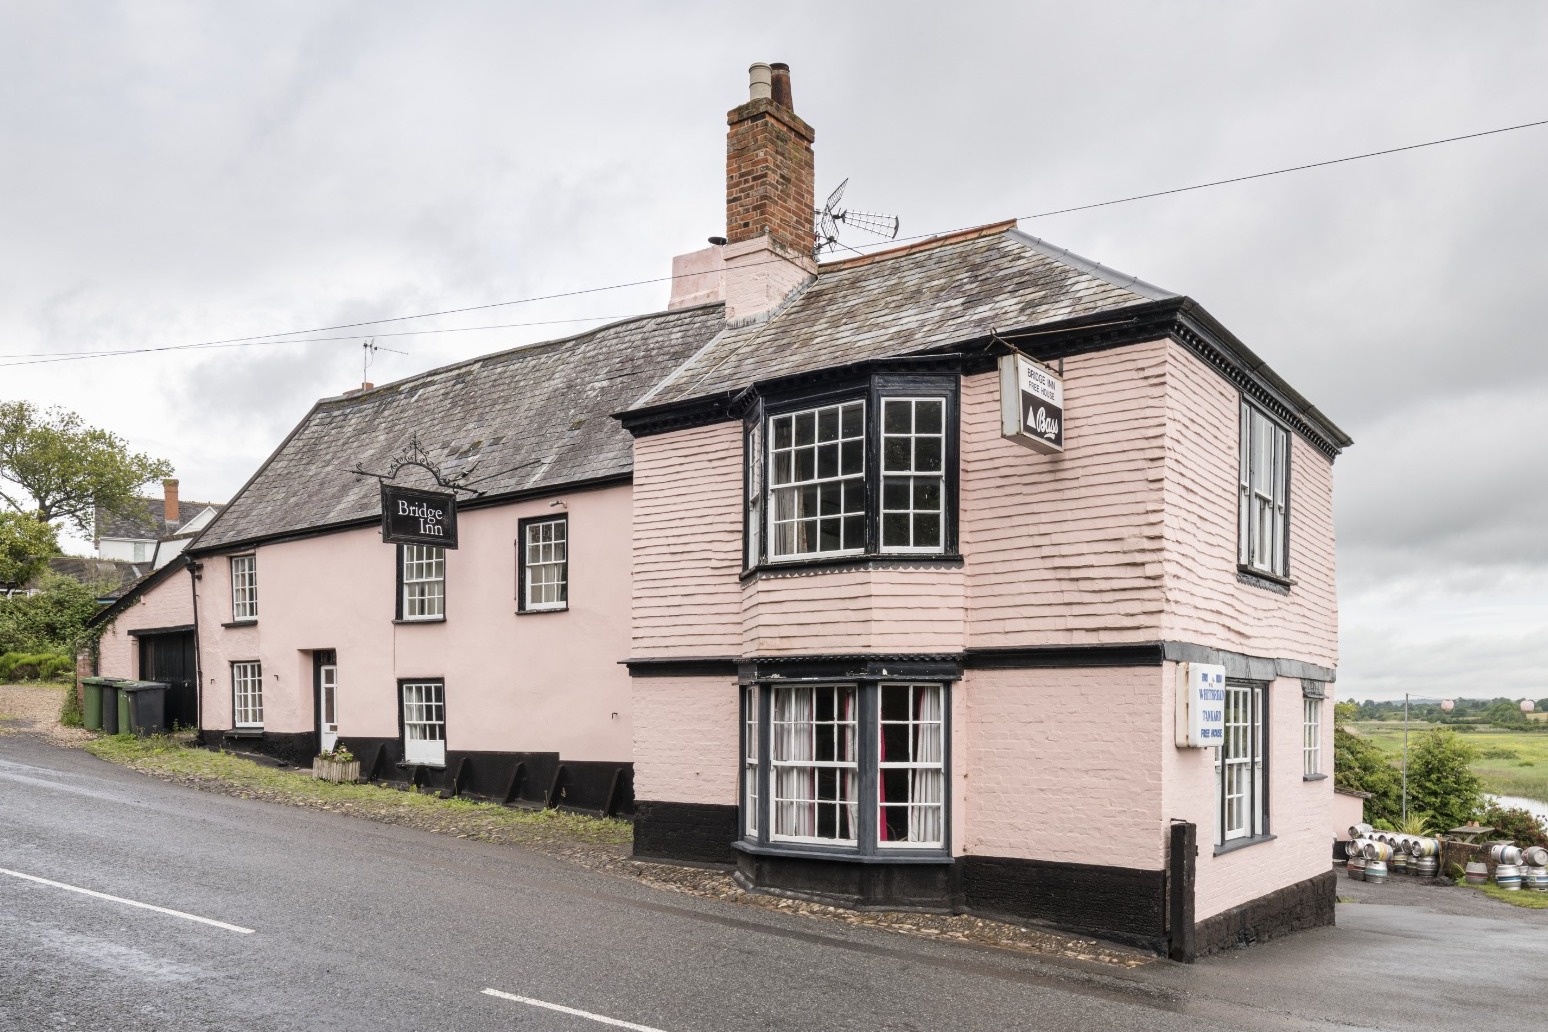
{"x":279,"y":918}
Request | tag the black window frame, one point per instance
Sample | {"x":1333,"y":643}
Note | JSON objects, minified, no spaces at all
{"x":1261,"y":713}
{"x":397,"y":612}
{"x":521,"y":562}
{"x":1245,"y":538}
{"x":867,"y":848}
{"x":403,"y":723}
{"x":872,"y":389}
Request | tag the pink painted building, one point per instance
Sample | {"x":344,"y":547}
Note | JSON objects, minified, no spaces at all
{"x":147,"y":634}
{"x":490,"y":667}
{"x":890,"y":647}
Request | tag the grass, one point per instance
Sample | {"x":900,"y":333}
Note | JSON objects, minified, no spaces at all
{"x":1519,"y":898}
{"x":1510,"y":762}
{"x":175,"y":758}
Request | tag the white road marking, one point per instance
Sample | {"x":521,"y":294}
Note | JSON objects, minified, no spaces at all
{"x":127,"y":902}
{"x":529,"y":1001}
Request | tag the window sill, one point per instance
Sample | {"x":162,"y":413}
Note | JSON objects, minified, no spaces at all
{"x":1243,"y":843}
{"x":1314,"y":777}
{"x":1267,"y":581}
{"x":406,"y":765}
{"x":426,"y":619}
{"x":245,"y":732}
{"x":543,"y":609}
{"x":242,"y":623}
{"x":844,"y":854}
{"x":871,"y":561}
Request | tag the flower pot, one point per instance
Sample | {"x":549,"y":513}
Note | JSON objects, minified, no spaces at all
{"x":332,"y":770}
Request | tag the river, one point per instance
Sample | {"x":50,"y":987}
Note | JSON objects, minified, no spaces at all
{"x":1535,"y":806}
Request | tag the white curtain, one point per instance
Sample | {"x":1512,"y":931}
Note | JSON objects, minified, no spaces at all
{"x":927,"y":785}
{"x":849,"y":787}
{"x":795,"y":787}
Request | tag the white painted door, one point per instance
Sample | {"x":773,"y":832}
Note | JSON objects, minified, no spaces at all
{"x":329,"y":703}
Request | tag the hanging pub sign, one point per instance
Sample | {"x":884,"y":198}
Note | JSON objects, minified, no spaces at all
{"x":1031,"y":404}
{"x":1200,"y":705}
{"x":413,"y":517}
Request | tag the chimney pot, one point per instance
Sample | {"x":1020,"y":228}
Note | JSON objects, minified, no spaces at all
{"x":169,"y":511}
{"x":760,"y":79}
{"x":779,"y":88}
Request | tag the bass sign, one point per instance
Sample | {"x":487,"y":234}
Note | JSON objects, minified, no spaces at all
{"x":1031,"y":404}
{"x":411,"y":517}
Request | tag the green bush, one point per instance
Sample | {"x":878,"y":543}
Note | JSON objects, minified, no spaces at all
{"x":1361,"y":766}
{"x":1516,"y":824}
{"x":70,"y":714}
{"x":1440,"y":780}
{"x":29,"y":666}
{"x":51,"y":621}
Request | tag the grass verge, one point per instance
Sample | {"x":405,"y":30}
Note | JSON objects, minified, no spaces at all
{"x":1519,"y":898}
{"x":175,"y":758}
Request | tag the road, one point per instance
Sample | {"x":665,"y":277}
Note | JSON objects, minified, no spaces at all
{"x":328,"y":922}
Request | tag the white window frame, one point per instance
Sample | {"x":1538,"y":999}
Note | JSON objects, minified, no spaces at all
{"x":1241,"y":764}
{"x":750,"y":721}
{"x":422,"y":574}
{"x":424,"y":722}
{"x":926,"y":735}
{"x":793,"y":773}
{"x":915,"y":471}
{"x":247,"y":694}
{"x":784,"y":480}
{"x":795,"y":795}
{"x":1311,"y":737}
{"x":545,"y":545}
{"x":1263,"y":488}
{"x":244,"y":587}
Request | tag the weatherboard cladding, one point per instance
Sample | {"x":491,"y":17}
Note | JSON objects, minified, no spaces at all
{"x":533,"y":418}
{"x":917,"y":299}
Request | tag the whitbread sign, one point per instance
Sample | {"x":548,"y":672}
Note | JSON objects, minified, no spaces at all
{"x":1031,"y":404}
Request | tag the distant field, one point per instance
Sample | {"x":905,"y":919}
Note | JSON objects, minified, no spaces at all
{"x":1510,"y":762}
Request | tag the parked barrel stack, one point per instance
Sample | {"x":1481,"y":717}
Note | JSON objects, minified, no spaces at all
{"x":1375,"y":856}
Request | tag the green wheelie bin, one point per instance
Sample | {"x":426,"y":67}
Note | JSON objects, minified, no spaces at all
{"x":91,"y":703}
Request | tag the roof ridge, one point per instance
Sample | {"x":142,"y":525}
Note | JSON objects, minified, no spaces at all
{"x":929,"y":243}
{"x":532,"y":346}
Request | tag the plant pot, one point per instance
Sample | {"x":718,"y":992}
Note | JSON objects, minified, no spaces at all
{"x":332,"y":770}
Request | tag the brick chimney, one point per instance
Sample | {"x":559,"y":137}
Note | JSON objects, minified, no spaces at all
{"x":770,"y":197}
{"x":169,"y":511}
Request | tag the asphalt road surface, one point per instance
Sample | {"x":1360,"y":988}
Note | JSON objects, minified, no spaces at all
{"x":281,"y":918}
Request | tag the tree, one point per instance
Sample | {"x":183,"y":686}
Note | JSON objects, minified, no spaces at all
{"x":25,"y":548}
{"x":67,"y":470}
{"x":1360,"y":766}
{"x":1440,"y":780}
{"x":53,"y":620}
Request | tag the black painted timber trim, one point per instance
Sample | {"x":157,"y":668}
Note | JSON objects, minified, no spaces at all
{"x":690,"y":832}
{"x":1181,"y":319}
{"x":145,"y":632}
{"x":865,"y":666}
{"x":1151,"y":653}
{"x":1123,"y":904}
{"x":709,"y":666}
{"x":1306,"y":904}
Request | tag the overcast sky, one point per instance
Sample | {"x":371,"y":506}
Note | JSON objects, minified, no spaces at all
{"x":173,"y":173}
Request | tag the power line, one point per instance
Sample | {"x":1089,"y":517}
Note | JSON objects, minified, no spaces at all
{"x":47,"y":358}
{"x":266,"y":338}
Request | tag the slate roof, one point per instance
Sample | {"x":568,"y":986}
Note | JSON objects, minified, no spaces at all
{"x":929,"y":295}
{"x":115,"y":575}
{"x":532,"y":418}
{"x":151,"y":525}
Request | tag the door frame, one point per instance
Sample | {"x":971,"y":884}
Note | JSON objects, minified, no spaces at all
{"x":320,"y":659}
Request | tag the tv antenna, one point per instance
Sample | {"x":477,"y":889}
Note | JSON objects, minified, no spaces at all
{"x":830,"y":217}
{"x":368,"y":350}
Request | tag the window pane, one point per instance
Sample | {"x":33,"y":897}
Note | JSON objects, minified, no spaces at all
{"x":818,"y":487}
{"x":813,"y":771}
{"x":547,"y":569}
{"x":911,"y":779}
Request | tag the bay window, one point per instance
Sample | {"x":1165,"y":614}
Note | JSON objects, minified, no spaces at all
{"x":871,"y":471}
{"x":1263,"y":486}
{"x":845,"y":769}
